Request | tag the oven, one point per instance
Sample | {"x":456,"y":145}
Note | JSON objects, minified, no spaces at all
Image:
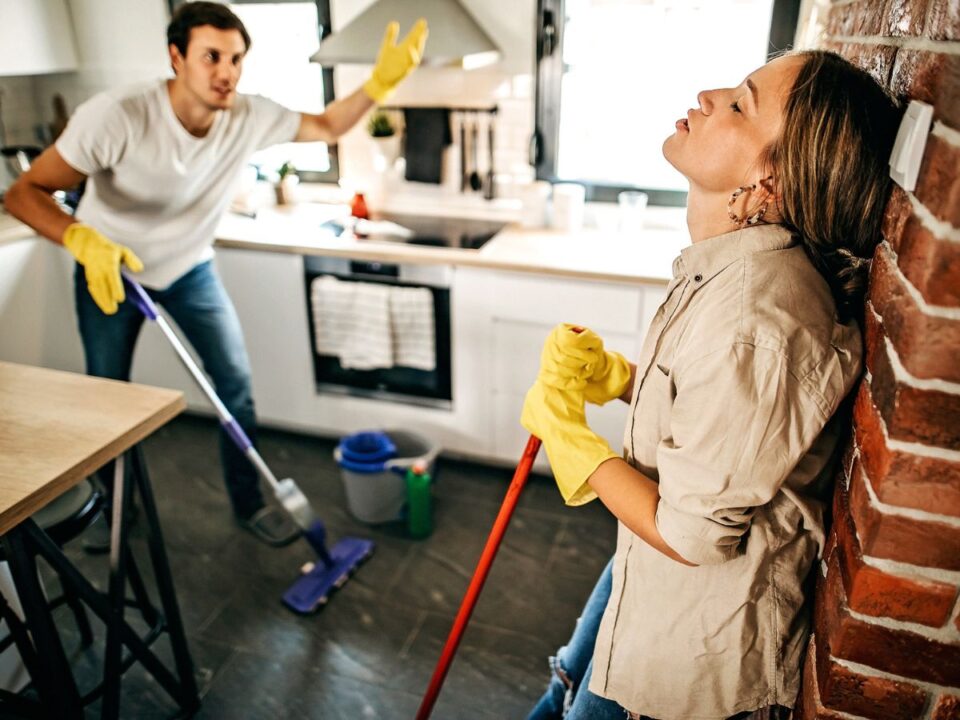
{"x":425,"y":385}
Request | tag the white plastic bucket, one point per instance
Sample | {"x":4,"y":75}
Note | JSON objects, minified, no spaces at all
{"x":375,"y":488}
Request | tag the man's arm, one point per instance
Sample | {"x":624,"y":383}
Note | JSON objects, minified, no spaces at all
{"x":335,"y":120}
{"x":30,"y":198}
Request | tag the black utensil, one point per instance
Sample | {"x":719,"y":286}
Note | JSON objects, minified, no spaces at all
{"x":463,"y":153}
{"x":475,"y":182}
{"x":488,"y":189}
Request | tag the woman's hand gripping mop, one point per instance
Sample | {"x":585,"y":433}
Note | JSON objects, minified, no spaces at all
{"x":335,"y":565}
{"x":573,"y":368}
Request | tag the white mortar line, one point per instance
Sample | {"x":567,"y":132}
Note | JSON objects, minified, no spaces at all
{"x":942,"y":635}
{"x":939,"y":228}
{"x":947,"y":47}
{"x":946,"y":133}
{"x":913,"y":572}
{"x":902,"y":374}
{"x":856,"y":667}
{"x":950,"y":313}
{"x":912,"y":513}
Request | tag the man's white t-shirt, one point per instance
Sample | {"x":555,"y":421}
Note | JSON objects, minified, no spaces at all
{"x":153,"y":186}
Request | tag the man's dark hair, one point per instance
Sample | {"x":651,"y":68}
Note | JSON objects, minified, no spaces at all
{"x":194,"y":14}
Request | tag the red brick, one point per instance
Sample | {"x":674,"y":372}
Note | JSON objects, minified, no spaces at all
{"x":896,"y":537}
{"x":868,"y":696}
{"x":928,"y":345}
{"x":938,"y":184}
{"x":911,"y":414}
{"x":842,"y":19}
{"x":899,"y":652}
{"x":871,"y":591}
{"x":931,"y":77}
{"x":808,"y":705}
{"x":904,"y":17}
{"x":902,"y":478}
{"x":895,"y":217}
{"x":947,"y":708}
{"x":931,"y":265}
{"x":943,"y":20}
{"x":875,"y":59}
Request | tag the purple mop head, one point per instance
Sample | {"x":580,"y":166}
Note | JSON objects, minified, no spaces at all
{"x":334,"y":568}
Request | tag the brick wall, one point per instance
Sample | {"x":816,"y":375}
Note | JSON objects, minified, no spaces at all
{"x":886,"y":640}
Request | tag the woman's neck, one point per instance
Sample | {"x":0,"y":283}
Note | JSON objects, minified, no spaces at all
{"x":707,"y":214}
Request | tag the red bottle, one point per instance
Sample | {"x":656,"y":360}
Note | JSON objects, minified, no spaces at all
{"x":358,"y":207}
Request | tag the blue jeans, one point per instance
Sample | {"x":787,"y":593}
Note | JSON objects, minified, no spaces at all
{"x":567,"y":695}
{"x":199,"y":305}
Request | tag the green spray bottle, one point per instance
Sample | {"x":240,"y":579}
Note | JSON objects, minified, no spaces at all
{"x":419,"y":511}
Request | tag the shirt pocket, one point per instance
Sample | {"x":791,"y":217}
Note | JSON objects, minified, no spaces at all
{"x":650,"y":420}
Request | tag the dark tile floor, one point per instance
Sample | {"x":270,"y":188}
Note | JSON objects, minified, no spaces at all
{"x":371,"y":651}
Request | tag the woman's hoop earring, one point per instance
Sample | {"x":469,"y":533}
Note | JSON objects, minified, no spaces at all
{"x":745,"y":220}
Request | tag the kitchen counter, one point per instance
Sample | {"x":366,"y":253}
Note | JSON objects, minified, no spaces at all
{"x":588,"y":254}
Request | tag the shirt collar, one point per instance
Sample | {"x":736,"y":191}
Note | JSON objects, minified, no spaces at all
{"x":702,"y":260}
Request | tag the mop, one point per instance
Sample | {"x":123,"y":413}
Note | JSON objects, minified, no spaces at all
{"x":317,"y":580}
{"x":479,"y":577}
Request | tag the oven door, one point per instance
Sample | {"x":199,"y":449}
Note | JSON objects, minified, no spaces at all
{"x":397,"y":383}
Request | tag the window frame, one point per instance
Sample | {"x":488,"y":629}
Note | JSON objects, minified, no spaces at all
{"x":324,"y":29}
{"x":544,"y":144}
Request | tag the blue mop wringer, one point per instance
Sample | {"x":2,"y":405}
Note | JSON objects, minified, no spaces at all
{"x":336,"y":565}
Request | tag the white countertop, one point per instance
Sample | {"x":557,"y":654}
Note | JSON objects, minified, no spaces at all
{"x":587,"y":254}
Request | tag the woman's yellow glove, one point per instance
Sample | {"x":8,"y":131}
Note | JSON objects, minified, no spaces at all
{"x":573,"y":358}
{"x":557,"y":417}
{"x":101,"y":260}
{"x":395,"y":61}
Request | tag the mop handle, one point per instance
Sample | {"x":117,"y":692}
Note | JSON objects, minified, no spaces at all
{"x":479,"y":576}
{"x":146,"y":305}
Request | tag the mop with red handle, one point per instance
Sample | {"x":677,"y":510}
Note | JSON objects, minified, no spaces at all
{"x":479,"y":576}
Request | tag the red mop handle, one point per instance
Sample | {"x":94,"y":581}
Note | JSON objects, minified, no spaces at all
{"x":479,"y":577}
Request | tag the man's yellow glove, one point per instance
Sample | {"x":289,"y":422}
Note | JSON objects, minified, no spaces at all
{"x":395,"y":60}
{"x":573,"y":358}
{"x":557,"y":417}
{"x":101,"y":260}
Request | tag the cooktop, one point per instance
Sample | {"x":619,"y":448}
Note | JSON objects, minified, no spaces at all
{"x":446,"y":232}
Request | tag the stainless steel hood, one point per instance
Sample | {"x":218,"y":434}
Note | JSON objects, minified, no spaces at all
{"x":455,"y":37}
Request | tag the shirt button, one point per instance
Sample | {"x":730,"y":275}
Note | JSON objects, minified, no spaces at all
{"x":697,"y":278}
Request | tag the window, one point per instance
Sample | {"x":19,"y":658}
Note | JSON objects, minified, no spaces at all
{"x":284,"y":34}
{"x":613,"y":76}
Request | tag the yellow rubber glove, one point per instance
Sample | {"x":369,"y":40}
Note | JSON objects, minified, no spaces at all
{"x":557,"y":417}
{"x":395,"y":61}
{"x":573,"y":358}
{"x":101,"y":260}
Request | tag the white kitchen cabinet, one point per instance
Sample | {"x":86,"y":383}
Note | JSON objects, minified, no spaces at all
{"x":512,"y":314}
{"x":36,"y":37}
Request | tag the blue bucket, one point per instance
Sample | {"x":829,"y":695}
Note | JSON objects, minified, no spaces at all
{"x":366,"y":452}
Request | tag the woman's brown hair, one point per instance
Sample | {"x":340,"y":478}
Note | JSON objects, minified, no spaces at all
{"x":830,"y":163}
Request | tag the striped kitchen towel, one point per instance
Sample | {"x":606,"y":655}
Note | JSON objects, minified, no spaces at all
{"x":413,"y":328}
{"x":351,"y":321}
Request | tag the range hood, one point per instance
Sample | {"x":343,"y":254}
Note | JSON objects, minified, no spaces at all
{"x":455,"y":37}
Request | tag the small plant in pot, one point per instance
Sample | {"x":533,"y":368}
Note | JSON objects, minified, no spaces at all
{"x":287,"y":179}
{"x":386,"y":141}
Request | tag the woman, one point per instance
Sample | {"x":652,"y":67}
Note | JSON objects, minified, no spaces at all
{"x":733,"y":403}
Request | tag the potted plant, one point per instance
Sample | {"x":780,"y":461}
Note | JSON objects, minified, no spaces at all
{"x":386,"y":141}
{"x":287,"y":179}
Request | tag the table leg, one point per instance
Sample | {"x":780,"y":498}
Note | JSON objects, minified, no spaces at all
{"x":190,"y":698}
{"x":56,"y":686}
{"x":116,"y":589}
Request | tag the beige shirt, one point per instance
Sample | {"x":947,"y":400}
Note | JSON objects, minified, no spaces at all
{"x":740,"y":373}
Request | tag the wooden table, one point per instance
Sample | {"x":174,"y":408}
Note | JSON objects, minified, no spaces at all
{"x":57,"y":428}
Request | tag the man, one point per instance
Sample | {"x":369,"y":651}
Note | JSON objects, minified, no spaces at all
{"x":160,"y":160}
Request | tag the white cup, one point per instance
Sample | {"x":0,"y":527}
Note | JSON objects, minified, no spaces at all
{"x":568,"y":202}
{"x":632,"y":207}
{"x":535,"y":198}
